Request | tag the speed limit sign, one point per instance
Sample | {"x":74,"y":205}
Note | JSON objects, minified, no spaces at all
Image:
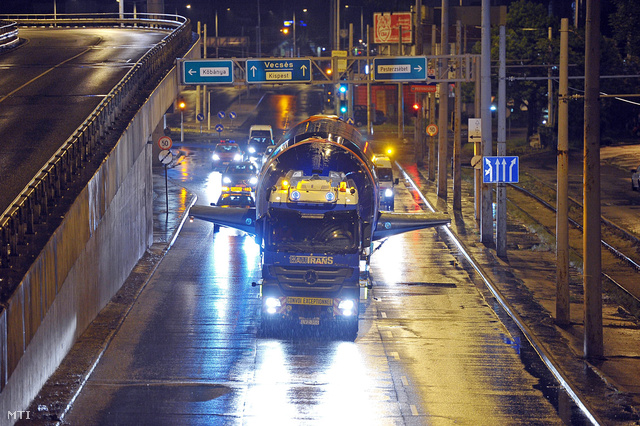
{"x":432,"y":130}
{"x":165,"y":142}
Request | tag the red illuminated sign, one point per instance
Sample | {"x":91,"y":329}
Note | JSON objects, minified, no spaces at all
{"x":386,"y":27}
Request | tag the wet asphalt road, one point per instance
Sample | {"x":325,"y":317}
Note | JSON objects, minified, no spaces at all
{"x":49,"y":86}
{"x":430,"y":349}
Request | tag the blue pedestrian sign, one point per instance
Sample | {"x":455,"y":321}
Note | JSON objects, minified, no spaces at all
{"x":400,"y":68}
{"x":278,"y":70}
{"x":207,"y":71}
{"x":500,"y":170}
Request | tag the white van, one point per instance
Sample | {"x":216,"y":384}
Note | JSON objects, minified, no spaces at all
{"x":260,"y":137}
{"x":384,"y":171}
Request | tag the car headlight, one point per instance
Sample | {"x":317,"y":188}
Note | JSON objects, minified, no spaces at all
{"x":215,"y":157}
{"x":388,"y":192}
{"x":237,"y":157}
{"x":253,"y":180}
{"x":252,"y":150}
{"x":226,"y":179}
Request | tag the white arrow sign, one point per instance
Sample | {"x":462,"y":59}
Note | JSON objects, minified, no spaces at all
{"x":253,"y":68}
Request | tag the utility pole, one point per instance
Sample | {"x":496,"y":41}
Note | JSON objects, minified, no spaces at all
{"x":457,"y":142}
{"x":563,"y":317}
{"x":443,"y":110}
{"x":592,"y":275}
{"x":419,"y":126}
{"x":501,"y":189}
{"x":486,"y":216}
{"x":432,"y":115}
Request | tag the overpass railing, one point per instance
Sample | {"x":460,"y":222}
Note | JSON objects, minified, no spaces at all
{"x":32,"y":206}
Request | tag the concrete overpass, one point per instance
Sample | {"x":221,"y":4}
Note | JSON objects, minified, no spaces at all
{"x":71,"y":237}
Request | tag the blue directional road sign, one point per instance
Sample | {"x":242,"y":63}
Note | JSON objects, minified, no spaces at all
{"x":400,"y":68}
{"x":278,"y":70}
{"x":207,"y":71}
{"x":500,"y":170}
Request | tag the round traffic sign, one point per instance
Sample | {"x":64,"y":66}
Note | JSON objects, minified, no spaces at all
{"x":165,"y":157}
{"x":350,"y":120}
{"x":476,"y":162}
{"x":165,"y":142}
{"x":232,"y":115}
{"x":200,"y":117}
{"x":432,"y":130}
{"x":221,"y":114}
{"x":219,"y":127}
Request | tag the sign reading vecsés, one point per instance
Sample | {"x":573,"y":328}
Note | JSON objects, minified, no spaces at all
{"x":278,"y":71}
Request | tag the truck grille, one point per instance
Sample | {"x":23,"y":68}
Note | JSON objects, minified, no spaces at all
{"x":317,"y":279}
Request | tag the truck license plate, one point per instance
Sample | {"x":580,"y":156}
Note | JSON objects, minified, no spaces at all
{"x":309,"y":321}
{"x":309,"y":301}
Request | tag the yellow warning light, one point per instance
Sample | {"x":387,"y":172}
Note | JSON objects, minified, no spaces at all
{"x":285,"y":184}
{"x":343,"y":187}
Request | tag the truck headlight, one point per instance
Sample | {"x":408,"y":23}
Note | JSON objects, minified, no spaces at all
{"x":253,"y":180}
{"x":388,"y":192}
{"x":215,"y":157}
{"x":346,"y":306}
{"x":295,"y":195}
{"x":272,"y":303}
{"x":252,"y":150}
{"x":226,"y":179}
{"x":237,"y":157}
{"x":330,"y":196}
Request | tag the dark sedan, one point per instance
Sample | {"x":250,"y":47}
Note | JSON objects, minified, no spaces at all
{"x":225,"y":153}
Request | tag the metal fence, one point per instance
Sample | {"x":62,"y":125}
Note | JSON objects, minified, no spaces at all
{"x":31,"y":207}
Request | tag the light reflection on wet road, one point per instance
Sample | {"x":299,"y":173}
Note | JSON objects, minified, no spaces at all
{"x":430,"y":350}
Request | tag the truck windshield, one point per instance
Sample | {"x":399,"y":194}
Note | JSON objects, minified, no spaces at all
{"x":294,"y":231}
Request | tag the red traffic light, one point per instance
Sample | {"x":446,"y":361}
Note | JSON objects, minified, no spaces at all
{"x":416,"y":107}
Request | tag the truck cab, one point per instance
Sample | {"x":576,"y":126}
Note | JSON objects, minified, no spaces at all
{"x":384,"y":171}
{"x":312,"y":251}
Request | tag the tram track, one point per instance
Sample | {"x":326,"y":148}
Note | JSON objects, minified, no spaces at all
{"x":620,"y":260}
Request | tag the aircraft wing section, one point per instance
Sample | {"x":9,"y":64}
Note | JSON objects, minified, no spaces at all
{"x":392,"y":223}
{"x":241,"y":218}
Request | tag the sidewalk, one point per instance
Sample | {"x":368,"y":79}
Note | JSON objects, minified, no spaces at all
{"x":526,"y":278}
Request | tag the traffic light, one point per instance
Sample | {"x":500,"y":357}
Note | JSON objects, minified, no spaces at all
{"x":416,"y":109}
{"x":343,"y":109}
{"x":343,"y":89}
{"x":182,"y":105}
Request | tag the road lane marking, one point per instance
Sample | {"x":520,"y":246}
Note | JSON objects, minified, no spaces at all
{"x":383,"y":314}
{"x":414,"y":410}
{"x":404,"y":380}
{"x":44,"y":73}
{"x":395,"y":355}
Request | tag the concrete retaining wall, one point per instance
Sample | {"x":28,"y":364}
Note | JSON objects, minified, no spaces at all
{"x":85,"y":262}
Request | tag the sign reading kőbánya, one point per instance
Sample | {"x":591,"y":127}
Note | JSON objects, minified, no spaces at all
{"x":386,"y":27}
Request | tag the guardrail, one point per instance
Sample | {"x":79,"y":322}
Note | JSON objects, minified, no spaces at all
{"x":8,"y":33}
{"x":32,"y":206}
